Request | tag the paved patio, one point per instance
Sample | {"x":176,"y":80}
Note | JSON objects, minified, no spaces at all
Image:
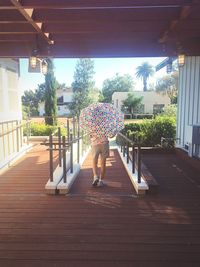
{"x":96,"y":227}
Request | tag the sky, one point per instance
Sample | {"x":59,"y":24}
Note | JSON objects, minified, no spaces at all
{"x":104,"y":68}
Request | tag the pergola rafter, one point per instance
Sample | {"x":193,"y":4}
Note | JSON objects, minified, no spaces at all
{"x":27,"y":13}
{"x":102,"y":28}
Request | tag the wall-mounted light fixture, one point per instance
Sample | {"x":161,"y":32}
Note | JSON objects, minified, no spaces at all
{"x":181,"y":60}
{"x":33,"y":59}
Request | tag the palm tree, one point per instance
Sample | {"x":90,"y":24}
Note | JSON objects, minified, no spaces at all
{"x":144,"y":71}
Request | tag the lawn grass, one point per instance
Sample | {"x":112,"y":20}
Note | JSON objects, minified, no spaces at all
{"x":133,"y":121}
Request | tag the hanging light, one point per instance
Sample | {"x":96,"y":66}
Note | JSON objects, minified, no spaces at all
{"x":44,"y":67}
{"x":33,"y":59}
{"x":181,"y":60}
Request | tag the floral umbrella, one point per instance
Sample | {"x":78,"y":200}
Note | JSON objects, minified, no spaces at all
{"x":101,"y":118}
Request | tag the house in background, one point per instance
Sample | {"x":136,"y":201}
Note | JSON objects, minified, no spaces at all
{"x":64,"y":98}
{"x":152,"y":102}
{"x":11,"y":132}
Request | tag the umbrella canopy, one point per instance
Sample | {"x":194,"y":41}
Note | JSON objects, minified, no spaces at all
{"x":102,"y":119}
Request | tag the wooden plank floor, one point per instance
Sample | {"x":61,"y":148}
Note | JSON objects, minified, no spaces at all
{"x":97,"y":227}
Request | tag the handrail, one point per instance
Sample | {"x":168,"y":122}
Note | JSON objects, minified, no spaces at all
{"x":11,"y":137}
{"x":136,"y":153}
{"x":65,"y":143}
{"x":13,"y":129}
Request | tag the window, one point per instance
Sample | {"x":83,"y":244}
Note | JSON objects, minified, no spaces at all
{"x":60,"y":100}
{"x":139,"y":109}
{"x":158,"y":108}
{"x":117,"y":103}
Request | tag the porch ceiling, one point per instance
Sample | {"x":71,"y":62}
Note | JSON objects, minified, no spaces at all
{"x":99,"y":28}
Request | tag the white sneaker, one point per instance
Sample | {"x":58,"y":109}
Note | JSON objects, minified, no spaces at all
{"x":95,"y":181}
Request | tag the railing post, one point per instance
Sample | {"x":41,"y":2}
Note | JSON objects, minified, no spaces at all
{"x":78,"y":143}
{"x":71,"y":153}
{"x":127,"y":150}
{"x":139,"y":163}
{"x":74,"y":130}
{"x":82,"y":136}
{"x":51,"y":156}
{"x":133,"y":156}
{"x":124,"y":149}
{"x":21,"y":134}
{"x":68,"y":131}
{"x":27,"y":132}
{"x":64,"y":160}
{"x":17,"y":126}
{"x":59,"y":146}
{"x":3,"y":140}
{"x":13,"y":137}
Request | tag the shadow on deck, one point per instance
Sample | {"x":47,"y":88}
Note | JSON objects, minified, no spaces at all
{"x":96,"y":227}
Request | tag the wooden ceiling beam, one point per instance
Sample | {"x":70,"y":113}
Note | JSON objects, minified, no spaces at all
{"x":105,"y":27}
{"x":101,"y":4}
{"x":25,"y":27}
{"x":27,"y":13}
{"x":98,"y":28}
{"x":89,"y":49}
{"x":12,"y":15}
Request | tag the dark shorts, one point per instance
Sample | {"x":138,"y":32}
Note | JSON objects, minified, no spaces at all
{"x":102,"y":149}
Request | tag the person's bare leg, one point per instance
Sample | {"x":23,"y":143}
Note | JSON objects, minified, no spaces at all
{"x":95,"y":166}
{"x":103,"y":167}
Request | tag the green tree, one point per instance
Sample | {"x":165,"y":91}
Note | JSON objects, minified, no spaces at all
{"x":79,"y":102}
{"x":40,"y":93}
{"x":50,"y":95}
{"x":116,"y":84}
{"x":30,"y":103}
{"x":83,"y":75}
{"x":131,"y":103}
{"x":83,"y":86}
{"x":168,"y":85}
{"x":144,"y":71}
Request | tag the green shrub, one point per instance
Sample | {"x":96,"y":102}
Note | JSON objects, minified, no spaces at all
{"x":41,"y":129}
{"x":132,"y":127}
{"x":170,"y":110}
{"x":157,"y":128}
{"x":150,"y":132}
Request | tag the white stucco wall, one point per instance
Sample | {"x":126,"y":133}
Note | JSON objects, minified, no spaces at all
{"x":67,"y":97}
{"x":63,"y":109}
{"x":11,"y":136}
{"x":149,"y":99}
{"x":188,"y":102}
{"x":10,"y":95}
{"x":41,"y":109}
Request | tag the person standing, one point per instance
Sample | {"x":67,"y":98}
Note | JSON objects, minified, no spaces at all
{"x":100,"y":148}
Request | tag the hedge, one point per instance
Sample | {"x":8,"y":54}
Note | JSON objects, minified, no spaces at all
{"x":150,"y":132}
{"x":41,"y":129}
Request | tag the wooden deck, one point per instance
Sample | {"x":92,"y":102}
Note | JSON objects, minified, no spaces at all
{"x":97,"y":227}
